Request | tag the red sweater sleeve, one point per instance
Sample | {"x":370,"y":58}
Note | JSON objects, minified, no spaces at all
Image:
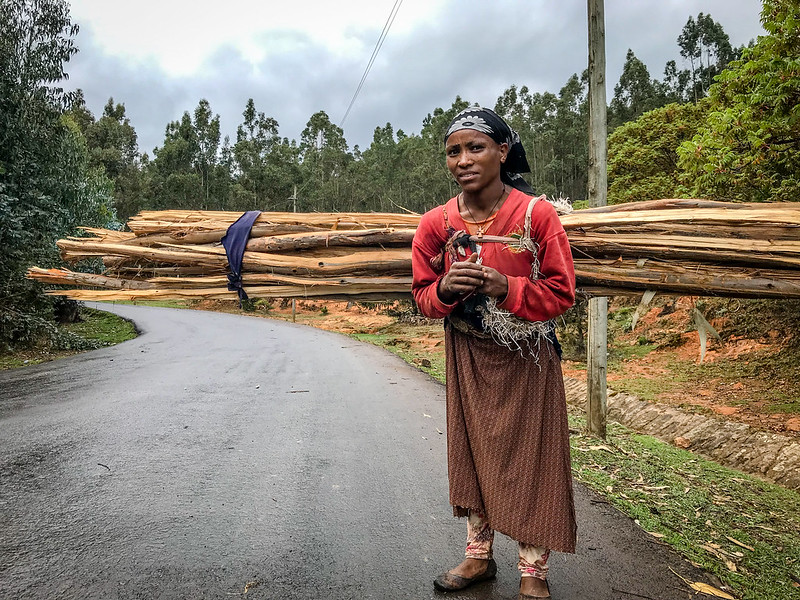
{"x":554,"y":292}
{"x":429,"y":242}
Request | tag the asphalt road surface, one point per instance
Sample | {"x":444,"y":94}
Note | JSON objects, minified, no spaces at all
{"x":222,"y":456}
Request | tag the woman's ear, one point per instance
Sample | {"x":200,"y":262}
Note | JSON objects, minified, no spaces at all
{"x":503,"y":152}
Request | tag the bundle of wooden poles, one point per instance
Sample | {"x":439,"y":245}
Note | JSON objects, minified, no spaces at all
{"x":680,"y":247}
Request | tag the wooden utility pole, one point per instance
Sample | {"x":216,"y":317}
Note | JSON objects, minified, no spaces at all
{"x":597,"y":350}
{"x":293,"y":198}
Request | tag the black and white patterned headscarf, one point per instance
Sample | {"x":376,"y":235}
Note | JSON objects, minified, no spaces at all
{"x":488,"y":122}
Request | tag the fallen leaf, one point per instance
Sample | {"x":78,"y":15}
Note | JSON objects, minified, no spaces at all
{"x":602,"y":447}
{"x":656,"y":535}
{"x":712,"y":551}
{"x":250,"y":585}
{"x":702,"y":587}
{"x":710,"y":590}
{"x":740,"y":544}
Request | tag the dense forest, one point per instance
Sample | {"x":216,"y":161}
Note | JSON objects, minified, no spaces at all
{"x":722,"y":122}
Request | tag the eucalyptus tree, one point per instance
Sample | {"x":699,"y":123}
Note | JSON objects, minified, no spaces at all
{"x":113,"y":147}
{"x":173,"y":181}
{"x":675,"y":84}
{"x":187,"y":171}
{"x":46,"y":185}
{"x":207,"y":136}
{"x":266,"y":168}
{"x":254,"y":140}
{"x":553,"y":130}
{"x":324,"y":159}
{"x":635,"y":93}
{"x":704,"y":43}
{"x":571,"y":144}
{"x":381,"y":173}
{"x":429,"y":182}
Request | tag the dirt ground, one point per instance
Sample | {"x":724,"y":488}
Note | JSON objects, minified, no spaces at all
{"x":672,"y":375}
{"x":731,"y":381}
{"x":336,"y":316}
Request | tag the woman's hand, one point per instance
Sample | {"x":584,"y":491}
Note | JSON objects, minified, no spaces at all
{"x":463,"y":278}
{"x":466,"y":277}
{"x":495,"y":284}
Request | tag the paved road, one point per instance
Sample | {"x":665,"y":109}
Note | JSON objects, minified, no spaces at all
{"x":216,"y":453}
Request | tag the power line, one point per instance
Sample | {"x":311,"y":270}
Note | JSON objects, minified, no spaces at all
{"x":378,"y":45}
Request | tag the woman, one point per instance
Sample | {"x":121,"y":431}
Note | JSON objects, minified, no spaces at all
{"x":496,"y":264}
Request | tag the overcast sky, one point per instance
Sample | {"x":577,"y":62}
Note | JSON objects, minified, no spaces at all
{"x":160,"y":57}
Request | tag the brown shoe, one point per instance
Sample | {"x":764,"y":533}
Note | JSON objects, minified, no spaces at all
{"x":531,"y":596}
{"x":448,"y":582}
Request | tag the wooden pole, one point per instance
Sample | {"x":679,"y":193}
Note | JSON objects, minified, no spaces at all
{"x":293,"y":198}
{"x":596,"y":361}
{"x":294,"y":209}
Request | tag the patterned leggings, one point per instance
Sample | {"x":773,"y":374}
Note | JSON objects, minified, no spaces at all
{"x":532,"y":560}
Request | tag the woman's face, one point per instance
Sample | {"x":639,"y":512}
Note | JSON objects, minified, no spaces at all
{"x":474,"y":159}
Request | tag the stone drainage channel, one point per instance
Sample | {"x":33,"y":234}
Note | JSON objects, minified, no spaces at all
{"x":768,"y":455}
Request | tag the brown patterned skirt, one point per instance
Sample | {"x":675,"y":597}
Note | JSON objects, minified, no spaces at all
{"x":508,"y":440}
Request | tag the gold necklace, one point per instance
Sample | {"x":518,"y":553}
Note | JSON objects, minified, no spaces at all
{"x":480,"y":225}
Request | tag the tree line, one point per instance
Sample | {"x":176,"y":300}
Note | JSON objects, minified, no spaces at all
{"x":195,"y":168}
{"x":722,"y":125}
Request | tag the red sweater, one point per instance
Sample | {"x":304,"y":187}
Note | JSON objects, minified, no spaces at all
{"x":540,"y":300}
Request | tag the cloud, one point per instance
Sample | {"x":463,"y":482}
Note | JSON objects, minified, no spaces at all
{"x":472,"y":49}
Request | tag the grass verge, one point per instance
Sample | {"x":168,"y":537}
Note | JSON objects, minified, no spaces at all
{"x":406,"y":346}
{"x":738,"y":528}
{"x":157,"y":303}
{"x":101,"y":327}
{"x":96,"y":329}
